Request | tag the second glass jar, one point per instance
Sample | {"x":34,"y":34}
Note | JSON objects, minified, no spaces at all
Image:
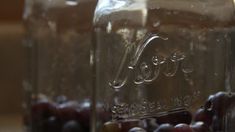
{"x":161,"y":60}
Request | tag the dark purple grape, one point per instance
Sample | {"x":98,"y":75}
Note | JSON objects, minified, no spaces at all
{"x":111,"y":127}
{"x":53,"y":124}
{"x":204,"y":116}
{"x":219,"y":103}
{"x":218,"y":124}
{"x":72,"y":110}
{"x":72,"y":126}
{"x":149,"y":124}
{"x":104,"y":115}
{"x":200,"y":127}
{"x":137,"y":129}
{"x":68,"y":113}
{"x":128,"y":124}
{"x":165,"y":128}
{"x":84,"y":114}
{"x":42,"y":111}
{"x":175,"y":117}
{"x":208,"y":103}
{"x":232,"y":98}
{"x":71,"y":104}
{"x":183,"y":128}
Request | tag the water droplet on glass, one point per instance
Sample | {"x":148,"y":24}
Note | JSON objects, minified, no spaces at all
{"x":170,"y":68}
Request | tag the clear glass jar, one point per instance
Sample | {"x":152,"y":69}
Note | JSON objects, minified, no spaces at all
{"x":58,"y":85}
{"x":161,"y":61}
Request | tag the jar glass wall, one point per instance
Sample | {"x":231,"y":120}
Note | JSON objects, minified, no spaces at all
{"x":161,"y":60}
{"x":58,"y":85}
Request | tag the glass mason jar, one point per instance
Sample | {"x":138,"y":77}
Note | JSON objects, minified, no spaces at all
{"x":58,"y":84}
{"x":165,"y":64}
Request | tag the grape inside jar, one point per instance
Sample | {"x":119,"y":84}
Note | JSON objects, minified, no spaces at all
{"x":165,"y":65}
{"x":58,"y":84}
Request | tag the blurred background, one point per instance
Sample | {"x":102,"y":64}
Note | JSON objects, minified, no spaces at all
{"x":11,"y":65}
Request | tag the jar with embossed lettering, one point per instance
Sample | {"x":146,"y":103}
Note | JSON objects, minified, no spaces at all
{"x":165,"y":64}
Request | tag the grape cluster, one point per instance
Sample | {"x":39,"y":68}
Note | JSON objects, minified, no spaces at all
{"x":62,"y":115}
{"x":209,"y":118}
{"x":70,"y":116}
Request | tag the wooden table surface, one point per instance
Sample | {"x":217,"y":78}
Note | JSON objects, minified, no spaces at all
{"x":11,"y":123}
